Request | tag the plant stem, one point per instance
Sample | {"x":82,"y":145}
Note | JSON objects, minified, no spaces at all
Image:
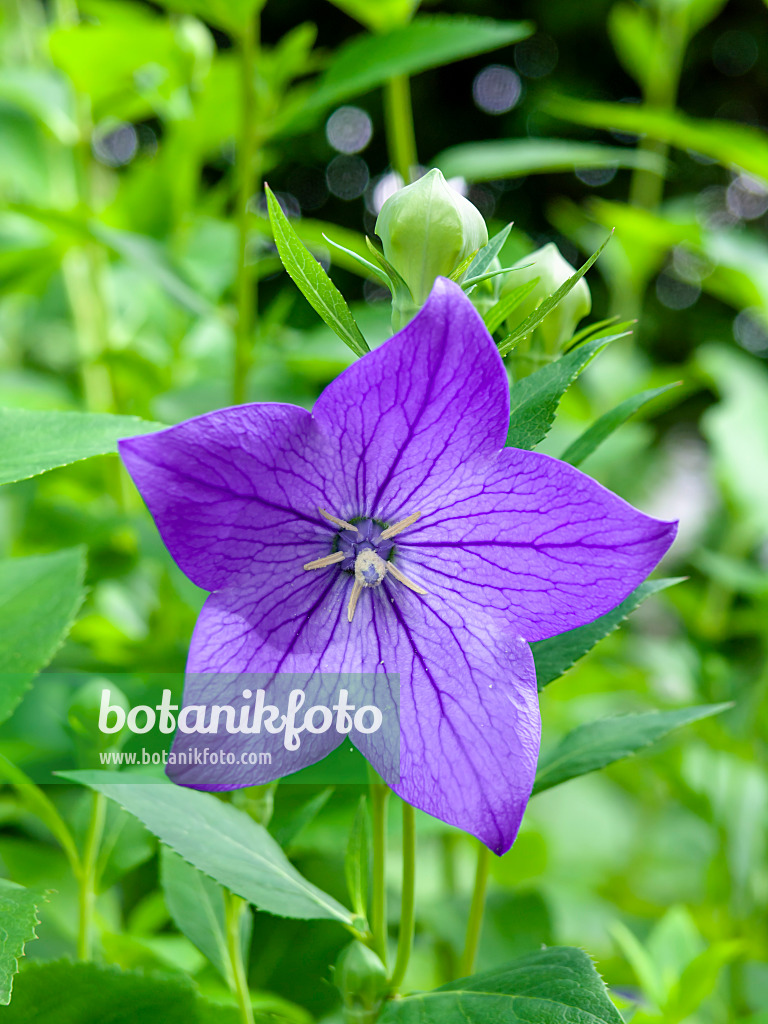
{"x":235,"y":907}
{"x":245,"y":285}
{"x":87,"y":878}
{"x":660,"y":91}
{"x":401,"y":138}
{"x":379,"y":801}
{"x":476,"y":912}
{"x":407,"y":903}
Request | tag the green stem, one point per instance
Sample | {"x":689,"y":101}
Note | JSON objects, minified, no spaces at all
{"x":408,"y":902}
{"x":401,"y":138}
{"x":476,"y":912}
{"x":245,"y":284}
{"x":660,"y":91}
{"x":379,"y":801}
{"x":235,"y":907}
{"x":87,"y":879}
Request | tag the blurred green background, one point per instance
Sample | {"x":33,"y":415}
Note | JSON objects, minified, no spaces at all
{"x":123,"y":289}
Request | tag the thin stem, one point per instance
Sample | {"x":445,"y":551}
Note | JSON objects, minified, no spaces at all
{"x":660,"y":89}
{"x":87,"y":879}
{"x":379,"y":801}
{"x":408,"y":901}
{"x":245,"y":285}
{"x":476,"y":912}
{"x":235,"y":908}
{"x":401,"y":138}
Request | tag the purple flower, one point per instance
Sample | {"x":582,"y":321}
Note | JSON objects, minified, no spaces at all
{"x":391,"y":531}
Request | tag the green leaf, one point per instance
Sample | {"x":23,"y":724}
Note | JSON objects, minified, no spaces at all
{"x":484,"y":257}
{"x":381,"y":16}
{"x":728,"y":142}
{"x":308,"y":811}
{"x":497,"y":314}
{"x":36,"y":801}
{"x":361,"y":261}
{"x":18,"y":917}
{"x":552,"y":986}
{"x":196,"y":904}
{"x":231,"y":15}
{"x":427,"y":42}
{"x":597,"y":744}
{"x":312,"y":281}
{"x":556,"y":655}
{"x":39,"y":599}
{"x":546,"y":307}
{"x":356,"y":860}
{"x":512,"y":158}
{"x":32,"y":442}
{"x":602,"y":428}
{"x":699,"y":979}
{"x":534,"y":399}
{"x":62,"y":992}
{"x":219,"y":840}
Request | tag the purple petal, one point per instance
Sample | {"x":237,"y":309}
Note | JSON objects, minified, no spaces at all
{"x":235,"y":487}
{"x":405,"y":417}
{"x":536,"y":540}
{"x":469,"y":712}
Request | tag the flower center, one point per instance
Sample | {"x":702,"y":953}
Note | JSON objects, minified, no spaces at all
{"x":365,"y":549}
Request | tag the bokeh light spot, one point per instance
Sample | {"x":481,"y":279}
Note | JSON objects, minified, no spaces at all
{"x":115,"y":143}
{"x":537,"y":56}
{"x":496,"y":89}
{"x":735,"y":53}
{"x":349,"y":129}
{"x":347,"y":176}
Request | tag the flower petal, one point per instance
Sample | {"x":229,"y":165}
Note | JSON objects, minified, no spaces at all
{"x":235,"y":486}
{"x":469,"y":719}
{"x":405,"y":417}
{"x":536,"y":540}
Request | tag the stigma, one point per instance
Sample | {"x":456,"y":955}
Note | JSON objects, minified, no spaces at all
{"x":366,"y":550}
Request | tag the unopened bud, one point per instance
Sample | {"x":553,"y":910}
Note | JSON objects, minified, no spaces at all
{"x":83,"y":716}
{"x":427,"y":229}
{"x":361,"y":978}
{"x":552,"y":270}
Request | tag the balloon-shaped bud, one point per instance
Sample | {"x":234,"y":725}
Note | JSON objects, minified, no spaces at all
{"x":361,"y":978}
{"x":427,"y":229}
{"x":552,"y":271}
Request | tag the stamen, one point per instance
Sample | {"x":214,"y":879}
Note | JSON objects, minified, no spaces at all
{"x":357,"y":590}
{"x":321,"y":563}
{"x":338,"y":522}
{"x":402,"y":578}
{"x":392,"y":531}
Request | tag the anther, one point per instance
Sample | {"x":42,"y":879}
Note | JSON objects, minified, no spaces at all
{"x":337,"y":522}
{"x":402,"y":578}
{"x":392,"y":531}
{"x":321,"y":563}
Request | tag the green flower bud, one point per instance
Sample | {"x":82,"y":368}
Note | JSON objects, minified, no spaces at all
{"x":83,"y":717}
{"x":257,"y":801}
{"x":552,"y":270}
{"x":361,"y":978}
{"x":427,"y":229}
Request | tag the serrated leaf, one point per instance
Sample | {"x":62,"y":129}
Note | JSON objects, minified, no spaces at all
{"x":556,"y":655}
{"x":545,"y":308}
{"x":497,"y":314}
{"x":597,"y":744}
{"x":427,"y":42}
{"x":511,"y":158}
{"x":312,"y":281}
{"x":63,"y":992}
{"x":32,"y":442}
{"x":603,"y":427}
{"x":534,"y":399}
{"x":484,"y":257}
{"x":39,"y":599}
{"x":552,"y":986}
{"x":197,"y":905}
{"x":356,"y":860}
{"x":728,"y":142}
{"x":18,"y":918}
{"x":219,"y":840}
